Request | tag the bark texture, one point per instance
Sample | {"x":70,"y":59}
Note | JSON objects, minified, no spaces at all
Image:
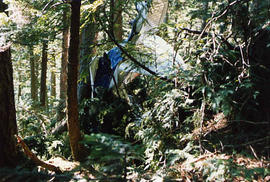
{"x":73,"y":61}
{"x":43,"y":90}
{"x":65,"y":45}
{"x":8,"y":125}
{"x":64,"y":61}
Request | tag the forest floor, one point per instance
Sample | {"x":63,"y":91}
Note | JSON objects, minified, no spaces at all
{"x":241,"y":168}
{"x":246,"y":165}
{"x":227,"y":155}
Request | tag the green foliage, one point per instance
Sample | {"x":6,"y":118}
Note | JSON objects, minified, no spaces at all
{"x":159,"y":127}
{"x":111,"y":153}
{"x":35,"y":125}
{"x":160,"y":116}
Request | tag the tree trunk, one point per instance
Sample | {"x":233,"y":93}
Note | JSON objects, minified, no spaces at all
{"x":8,"y":125}
{"x":63,"y":76}
{"x":65,"y":45}
{"x":33,"y":74}
{"x":43,"y":90}
{"x":53,"y":77}
{"x":117,"y":19}
{"x":73,"y":60}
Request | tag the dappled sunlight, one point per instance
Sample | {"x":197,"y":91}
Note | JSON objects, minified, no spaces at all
{"x":134,"y":91}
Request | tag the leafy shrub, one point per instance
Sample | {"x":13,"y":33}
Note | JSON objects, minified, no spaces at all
{"x":159,"y":127}
{"x":111,"y":153}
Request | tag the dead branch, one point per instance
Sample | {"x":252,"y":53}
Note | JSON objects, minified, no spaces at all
{"x":34,"y":158}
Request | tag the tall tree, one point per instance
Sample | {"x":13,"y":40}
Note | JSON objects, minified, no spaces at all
{"x":73,"y":61}
{"x":64,"y":59}
{"x":33,"y":74}
{"x":8,"y":125}
{"x":53,"y":76}
{"x":64,"y":62}
{"x":43,"y":77}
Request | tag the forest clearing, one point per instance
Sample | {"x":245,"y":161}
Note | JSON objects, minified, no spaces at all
{"x":134,"y":91}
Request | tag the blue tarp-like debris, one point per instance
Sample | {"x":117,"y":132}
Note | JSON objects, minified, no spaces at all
{"x":106,"y":67}
{"x":104,"y":73}
{"x":115,"y":57}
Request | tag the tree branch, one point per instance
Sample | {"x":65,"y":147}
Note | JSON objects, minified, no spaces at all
{"x":33,"y":157}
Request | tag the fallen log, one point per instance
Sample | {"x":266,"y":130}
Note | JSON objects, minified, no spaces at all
{"x":33,"y":157}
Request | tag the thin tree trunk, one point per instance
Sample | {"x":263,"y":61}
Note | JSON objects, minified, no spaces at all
{"x":53,"y":77}
{"x":8,"y":125}
{"x":43,"y":90}
{"x":73,"y":61}
{"x":63,"y":76}
{"x":33,"y":74}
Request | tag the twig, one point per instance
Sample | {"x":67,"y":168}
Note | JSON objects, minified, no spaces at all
{"x":253,"y":151}
{"x":47,"y":5}
{"x":33,"y":157}
{"x":243,"y":58}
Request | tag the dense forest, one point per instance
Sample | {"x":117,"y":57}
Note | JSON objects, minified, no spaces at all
{"x":132,"y":90}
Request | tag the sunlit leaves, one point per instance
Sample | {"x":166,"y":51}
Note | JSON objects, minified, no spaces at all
{"x":91,"y":7}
